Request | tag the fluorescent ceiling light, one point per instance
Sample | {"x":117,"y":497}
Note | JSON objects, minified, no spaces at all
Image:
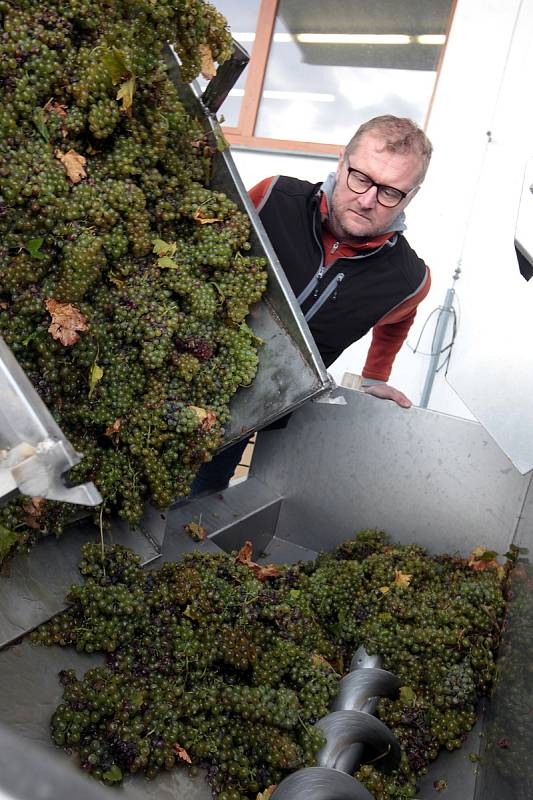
{"x":352,"y":38}
{"x":271,"y":94}
{"x":316,"y":97}
{"x":348,"y":38}
{"x":430,"y":38}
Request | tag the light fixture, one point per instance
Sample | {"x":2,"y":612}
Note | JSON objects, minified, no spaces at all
{"x":348,"y":38}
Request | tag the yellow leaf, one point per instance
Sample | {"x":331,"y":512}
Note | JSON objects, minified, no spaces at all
{"x":74,"y":164}
{"x":207,"y":68}
{"x":165,"y":262}
{"x":162,"y":248}
{"x":267,"y":794}
{"x":125,"y":93}
{"x":113,"y":278}
{"x":384,"y":589}
{"x":401,"y":578}
{"x":198,"y":216}
{"x":66,"y":321}
{"x":96,"y":375}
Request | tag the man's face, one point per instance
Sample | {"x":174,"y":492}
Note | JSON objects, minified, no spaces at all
{"x":361,"y":214}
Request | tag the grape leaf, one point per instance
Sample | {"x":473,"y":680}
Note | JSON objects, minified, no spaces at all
{"x":66,"y":321}
{"x":182,"y":753}
{"x":56,"y":108}
{"x":207,"y":65}
{"x":481,"y":558}
{"x":207,"y":418}
{"x":114,"y":428}
{"x":196,"y":531}
{"x":198,"y":216}
{"x":7,"y":540}
{"x":221,"y":141}
{"x":114,"y":64}
{"x":96,"y":374}
{"x":244,"y":556}
{"x":267,"y":794}
{"x":407,"y":694}
{"x":39,"y":121}
{"x":113,"y":775}
{"x":125,"y":93}
{"x":74,"y":164}
{"x":401,"y":579}
{"x":33,"y":247}
{"x":34,"y":507}
{"x":162,"y":248}
{"x":165,"y":262}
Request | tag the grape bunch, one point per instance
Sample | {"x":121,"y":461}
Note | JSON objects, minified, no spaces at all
{"x":106,"y":210}
{"x":208,"y":665}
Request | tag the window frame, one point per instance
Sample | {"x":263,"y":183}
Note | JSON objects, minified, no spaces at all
{"x":243,"y":135}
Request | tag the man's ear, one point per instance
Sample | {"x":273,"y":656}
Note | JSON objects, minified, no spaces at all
{"x":411,"y":195}
{"x":340,"y":161}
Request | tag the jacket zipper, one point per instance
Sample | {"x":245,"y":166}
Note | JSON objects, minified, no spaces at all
{"x":331,"y":289}
{"x":317,"y":277}
{"x":313,"y":285}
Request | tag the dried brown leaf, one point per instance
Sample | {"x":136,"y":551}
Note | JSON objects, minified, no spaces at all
{"x":57,"y":108}
{"x":74,"y":164}
{"x":196,"y":531}
{"x":480,"y":558}
{"x":182,"y":753}
{"x":66,"y":321}
{"x":207,"y":418}
{"x":34,"y":508}
{"x":198,"y":216}
{"x":244,"y":556}
{"x":114,"y":428}
{"x":207,"y":67}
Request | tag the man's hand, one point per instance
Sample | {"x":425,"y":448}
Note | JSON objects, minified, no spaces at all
{"x":386,"y":392}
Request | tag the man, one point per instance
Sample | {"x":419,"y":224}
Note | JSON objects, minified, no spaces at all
{"x":342,"y":248}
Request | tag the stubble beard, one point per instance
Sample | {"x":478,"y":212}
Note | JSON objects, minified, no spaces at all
{"x":341,"y":232}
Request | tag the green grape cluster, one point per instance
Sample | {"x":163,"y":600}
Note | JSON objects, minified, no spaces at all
{"x":100,"y":162}
{"x":205,"y":661}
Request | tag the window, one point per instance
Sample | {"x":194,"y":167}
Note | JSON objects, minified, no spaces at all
{"x":320,"y":68}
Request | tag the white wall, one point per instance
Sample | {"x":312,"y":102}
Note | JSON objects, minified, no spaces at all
{"x":464,"y":110}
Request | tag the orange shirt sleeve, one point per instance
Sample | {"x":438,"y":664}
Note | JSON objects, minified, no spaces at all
{"x":258,"y":192}
{"x":390,"y":333}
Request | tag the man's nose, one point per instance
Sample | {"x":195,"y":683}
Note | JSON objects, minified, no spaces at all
{"x":369,"y":198}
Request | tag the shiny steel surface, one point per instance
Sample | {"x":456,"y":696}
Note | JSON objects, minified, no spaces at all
{"x":360,"y":690}
{"x":34,"y":452}
{"x":423,"y":477}
{"x":343,"y":729}
{"x":291,"y":370}
{"x":362,"y":660}
{"x":317,"y":783}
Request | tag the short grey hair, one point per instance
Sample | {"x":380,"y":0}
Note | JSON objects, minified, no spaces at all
{"x":401,"y":135}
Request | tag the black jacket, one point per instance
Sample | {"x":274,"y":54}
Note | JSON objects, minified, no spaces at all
{"x":344,"y":302}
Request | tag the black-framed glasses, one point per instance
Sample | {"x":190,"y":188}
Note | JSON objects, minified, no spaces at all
{"x":388,"y":196}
